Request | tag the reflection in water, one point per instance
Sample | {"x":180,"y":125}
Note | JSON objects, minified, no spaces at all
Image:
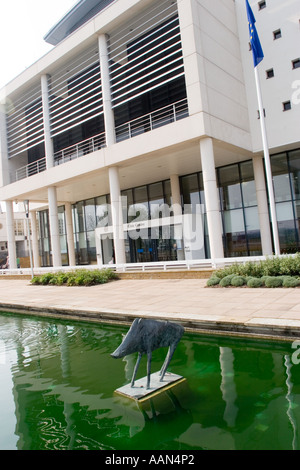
{"x":58,"y":382}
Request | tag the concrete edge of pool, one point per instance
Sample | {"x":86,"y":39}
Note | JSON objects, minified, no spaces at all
{"x":260,"y":328}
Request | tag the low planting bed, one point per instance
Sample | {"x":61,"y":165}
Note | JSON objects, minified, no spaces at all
{"x":271,"y":273}
{"x":77,"y":277}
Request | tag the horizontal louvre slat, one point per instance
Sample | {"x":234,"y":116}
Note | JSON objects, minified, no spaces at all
{"x":75,"y":92}
{"x":25,"y":128}
{"x":148,"y":55}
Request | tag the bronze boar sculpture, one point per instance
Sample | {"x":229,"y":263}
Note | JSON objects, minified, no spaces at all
{"x":146,"y":335}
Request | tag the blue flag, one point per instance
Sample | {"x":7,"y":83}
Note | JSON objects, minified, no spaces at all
{"x":257,"y":51}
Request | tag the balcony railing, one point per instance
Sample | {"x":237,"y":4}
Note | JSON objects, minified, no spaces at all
{"x":31,"y":169}
{"x":69,"y":153}
{"x":161,"y":117}
{"x":80,"y":149}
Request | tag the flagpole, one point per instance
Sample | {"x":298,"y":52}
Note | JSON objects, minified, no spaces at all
{"x":267,"y":166}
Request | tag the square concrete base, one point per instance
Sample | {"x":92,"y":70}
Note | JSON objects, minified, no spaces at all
{"x":139,"y":391}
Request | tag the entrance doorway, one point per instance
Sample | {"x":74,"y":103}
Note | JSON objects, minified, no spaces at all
{"x":147,"y":250}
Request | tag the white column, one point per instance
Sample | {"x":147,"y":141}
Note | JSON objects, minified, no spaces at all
{"x":177,"y":210}
{"x":54,"y":228}
{"x":70,"y":234}
{"x":11,"y":242}
{"x":117,"y":215}
{"x":263,"y":208}
{"x":35,"y":241}
{"x":46,"y":119}
{"x":176,"y":196}
{"x":212,"y":201}
{"x":109,"y":120}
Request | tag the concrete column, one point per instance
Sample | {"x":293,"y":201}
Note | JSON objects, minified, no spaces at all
{"x":11,"y":241}
{"x":117,"y":215}
{"x":176,"y":196}
{"x":46,"y":119}
{"x":177,"y":210}
{"x":70,"y":234}
{"x":263,"y":208}
{"x":109,"y":120}
{"x":35,"y":241}
{"x":213,"y":212}
{"x":54,"y":228}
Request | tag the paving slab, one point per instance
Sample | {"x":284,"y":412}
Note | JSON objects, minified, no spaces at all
{"x":242,"y":311}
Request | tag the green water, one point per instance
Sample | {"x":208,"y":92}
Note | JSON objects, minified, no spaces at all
{"x":58,"y":382}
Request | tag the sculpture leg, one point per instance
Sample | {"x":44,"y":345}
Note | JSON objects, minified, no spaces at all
{"x":149,"y":357}
{"x":167,"y":361}
{"x":135,"y":369}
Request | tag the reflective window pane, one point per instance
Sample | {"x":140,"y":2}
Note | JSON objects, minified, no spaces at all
{"x":248,"y":184}
{"x":294,"y":166}
{"x":281,"y":179}
{"x":90,"y":214}
{"x":229,"y":180}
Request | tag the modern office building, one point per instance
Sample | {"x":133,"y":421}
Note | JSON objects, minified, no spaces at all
{"x":137,"y":137}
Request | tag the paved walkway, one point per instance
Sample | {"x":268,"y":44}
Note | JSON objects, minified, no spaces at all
{"x":269,"y":312}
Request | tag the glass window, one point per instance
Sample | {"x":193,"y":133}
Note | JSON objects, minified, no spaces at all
{"x":91,"y":247}
{"x":248,"y":184}
{"x":102,"y":212}
{"x":235,"y":236}
{"x":156,"y":199}
{"x":141,"y":208}
{"x":90,"y":214}
{"x":229,"y":180}
{"x":190,"y":190}
{"x":281,"y":178}
{"x":79,"y":225}
{"x":286,"y":227}
{"x":294,"y":164}
{"x":253,"y":231}
{"x":167,"y":192}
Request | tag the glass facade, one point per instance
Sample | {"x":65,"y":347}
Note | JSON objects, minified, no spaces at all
{"x":286,"y":180}
{"x":45,"y":239}
{"x":87,"y":215}
{"x":241,"y":232}
{"x":239,"y":210}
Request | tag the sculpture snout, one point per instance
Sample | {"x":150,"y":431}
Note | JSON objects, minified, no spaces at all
{"x":118,"y":353}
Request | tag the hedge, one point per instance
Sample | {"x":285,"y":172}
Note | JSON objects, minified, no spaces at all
{"x":272,"y":272}
{"x":78,"y":277}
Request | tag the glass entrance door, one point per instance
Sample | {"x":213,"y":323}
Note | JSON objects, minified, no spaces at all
{"x":150,"y":250}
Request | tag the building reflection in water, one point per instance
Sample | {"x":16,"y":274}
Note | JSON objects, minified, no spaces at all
{"x":58,"y":383}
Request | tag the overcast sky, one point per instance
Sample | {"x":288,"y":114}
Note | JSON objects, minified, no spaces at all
{"x":23,"y":24}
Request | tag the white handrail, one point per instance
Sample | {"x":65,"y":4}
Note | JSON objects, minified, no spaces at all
{"x":184,"y":265}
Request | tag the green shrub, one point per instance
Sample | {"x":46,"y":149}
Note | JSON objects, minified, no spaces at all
{"x":275,"y":266}
{"x":226,"y":281}
{"x":290,"y":281}
{"x":238,"y":281}
{"x":273,"y":281}
{"x":255,"y":282}
{"x":78,"y":277}
{"x":213,"y":281}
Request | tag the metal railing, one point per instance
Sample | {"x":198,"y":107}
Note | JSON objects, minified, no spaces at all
{"x":80,"y":149}
{"x":69,"y":153}
{"x":161,"y":117}
{"x":148,"y":122}
{"x":31,"y":169}
{"x":184,"y":265}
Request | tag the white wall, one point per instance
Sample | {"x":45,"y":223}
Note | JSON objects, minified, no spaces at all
{"x":213,"y":66}
{"x":282,"y":127}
